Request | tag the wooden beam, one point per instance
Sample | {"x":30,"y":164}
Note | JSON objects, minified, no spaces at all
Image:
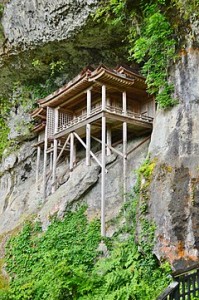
{"x":113,"y":149}
{"x":145,"y":140}
{"x":103,"y":178}
{"x":124,"y":161}
{"x":109,"y":140}
{"x":88,"y":144}
{"x":54,"y":166}
{"x":124,"y":109}
{"x":103,"y":97}
{"x":64,"y":146}
{"x":71,"y":150}
{"x":38,"y":160}
{"x":88,"y":104}
{"x":45,"y":159}
{"x":55,"y":143}
{"x":92,"y":154}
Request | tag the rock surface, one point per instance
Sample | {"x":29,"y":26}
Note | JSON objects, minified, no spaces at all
{"x":20,"y":198}
{"x":174,"y":197}
{"x":36,"y":22}
{"x":49,"y":31}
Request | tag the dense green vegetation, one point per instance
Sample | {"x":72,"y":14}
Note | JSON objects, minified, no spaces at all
{"x":64,"y":263}
{"x":156,"y":31}
{"x":24,"y":95}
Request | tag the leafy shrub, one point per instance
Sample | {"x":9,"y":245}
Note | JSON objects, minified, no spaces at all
{"x":63,"y":263}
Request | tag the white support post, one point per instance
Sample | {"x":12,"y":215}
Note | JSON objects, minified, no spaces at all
{"x":74,"y":153}
{"x":63,"y":148}
{"x":124,"y":103}
{"x":109,"y":135}
{"x":92,"y":154}
{"x":109,"y":140}
{"x":88,"y":100}
{"x":103,"y":177}
{"x":88,"y":129}
{"x":88,"y":144}
{"x":51,"y":157}
{"x":45,"y":158}
{"x":38,"y":161}
{"x":56,"y":112}
{"x":124,"y":107}
{"x":103,"y":97}
{"x":54,"y":166}
{"x":71,"y":151}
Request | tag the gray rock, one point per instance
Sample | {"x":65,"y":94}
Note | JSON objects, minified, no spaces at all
{"x":174,"y":192}
{"x":35,"y":22}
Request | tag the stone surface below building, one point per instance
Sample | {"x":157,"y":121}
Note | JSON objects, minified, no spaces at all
{"x":20,"y":199}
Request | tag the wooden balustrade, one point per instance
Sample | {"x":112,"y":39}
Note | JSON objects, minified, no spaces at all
{"x":66,"y":121}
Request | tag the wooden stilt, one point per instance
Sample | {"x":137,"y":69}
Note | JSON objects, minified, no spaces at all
{"x":125,"y":160}
{"x":88,"y":144}
{"x":38,"y":161}
{"x":103,"y":177}
{"x":51,"y":157}
{"x":103,"y":97}
{"x":71,"y":151}
{"x":74,"y":153}
{"x":103,"y":173}
{"x":113,"y":149}
{"x":54,"y":166}
{"x":63,"y":148}
{"x":45,"y":160}
{"x":56,"y":116}
{"x":124,"y":105}
{"x":109,"y":140}
{"x":91,"y":153}
{"x":88,"y":129}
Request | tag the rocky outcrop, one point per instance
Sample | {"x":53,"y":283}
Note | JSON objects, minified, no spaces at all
{"x":21,"y":199}
{"x":32,"y":22}
{"x":50,"y":31}
{"x":174,"y":196}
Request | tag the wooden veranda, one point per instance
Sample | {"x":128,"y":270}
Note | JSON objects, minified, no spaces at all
{"x":99,"y":105}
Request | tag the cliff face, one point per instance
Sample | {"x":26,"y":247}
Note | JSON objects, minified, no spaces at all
{"x":174,"y":200}
{"x":31,"y":23}
{"x":49,"y":31}
{"x":59,"y":30}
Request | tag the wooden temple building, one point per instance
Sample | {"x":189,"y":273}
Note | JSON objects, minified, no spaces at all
{"x":103,"y":105}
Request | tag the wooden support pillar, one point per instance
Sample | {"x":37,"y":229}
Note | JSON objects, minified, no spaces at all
{"x":55,"y":143}
{"x":74,"y":153}
{"x":103,"y":177}
{"x":51,"y":157}
{"x":38,"y":161}
{"x":109,"y":140}
{"x":109,"y":135}
{"x":103,"y":173}
{"x":71,"y":151}
{"x":88,"y":129}
{"x":124,"y":108}
{"x":103,"y":97}
{"x":45,"y":158}
{"x":54,"y":166}
{"x":88,"y":144}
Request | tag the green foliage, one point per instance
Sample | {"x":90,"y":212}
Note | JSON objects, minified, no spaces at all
{"x":55,"y":264}
{"x":4,"y":130}
{"x":1,"y":10}
{"x":63,"y":263}
{"x":151,"y":41}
